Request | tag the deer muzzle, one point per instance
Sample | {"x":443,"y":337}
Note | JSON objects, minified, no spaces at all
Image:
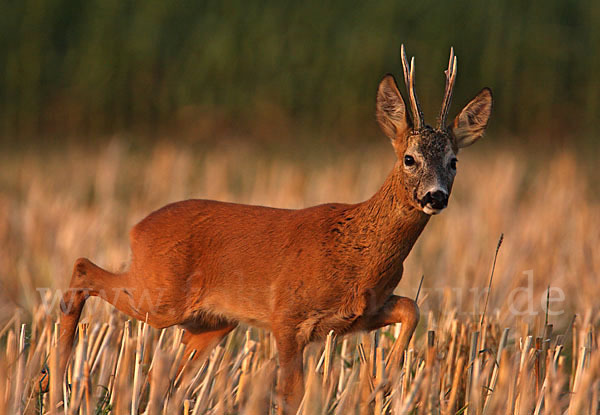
{"x":434,"y":201}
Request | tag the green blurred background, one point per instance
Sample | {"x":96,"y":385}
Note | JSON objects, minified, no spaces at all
{"x":270,"y":70}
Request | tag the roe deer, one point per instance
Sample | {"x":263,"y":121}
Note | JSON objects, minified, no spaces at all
{"x":207,"y":265}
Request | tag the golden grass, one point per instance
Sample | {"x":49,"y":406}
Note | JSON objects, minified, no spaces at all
{"x":56,"y":208}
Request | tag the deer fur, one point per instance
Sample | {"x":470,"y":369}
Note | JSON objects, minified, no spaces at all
{"x":207,"y":266}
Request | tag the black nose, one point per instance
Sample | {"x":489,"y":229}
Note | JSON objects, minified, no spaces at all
{"x":437,"y":199}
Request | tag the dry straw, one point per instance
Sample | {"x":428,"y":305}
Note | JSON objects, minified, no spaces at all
{"x":466,"y":357}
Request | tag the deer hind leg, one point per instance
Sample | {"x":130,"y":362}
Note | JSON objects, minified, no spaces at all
{"x":90,"y":280}
{"x":395,"y":310}
{"x":203,"y":342}
{"x":290,"y":388}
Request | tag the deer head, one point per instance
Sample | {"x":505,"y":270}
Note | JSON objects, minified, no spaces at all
{"x":426,"y":155}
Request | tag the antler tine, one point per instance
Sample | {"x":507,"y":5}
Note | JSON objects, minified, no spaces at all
{"x":409,"y":81}
{"x":450,"y":79}
{"x":413,"y":97}
{"x":405,"y":67}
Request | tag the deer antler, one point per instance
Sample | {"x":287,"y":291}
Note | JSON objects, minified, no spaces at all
{"x":450,"y":78}
{"x":409,"y":81}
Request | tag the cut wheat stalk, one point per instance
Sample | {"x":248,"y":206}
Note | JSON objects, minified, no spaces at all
{"x":87,"y":392}
{"x":450,"y":407}
{"x":409,"y":402}
{"x":119,"y":362}
{"x":158,"y":382}
{"x":381,"y":380}
{"x":137,"y":371}
{"x":245,"y":374}
{"x":348,"y":398}
{"x":78,"y":380}
{"x":55,"y":389}
{"x":470,"y":371}
{"x":123,"y":390}
{"x":106,"y":340}
{"x":492,"y":385}
{"x":19,"y":383}
{"x":343,"y":358}
{"x":330,"y":343}
{"x":205,"y":387}
{"x":406,"y":373}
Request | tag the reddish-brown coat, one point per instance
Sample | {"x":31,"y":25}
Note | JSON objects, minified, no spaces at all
{"x":206,"y":265}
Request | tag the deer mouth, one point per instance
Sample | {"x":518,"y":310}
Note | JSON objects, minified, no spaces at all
{"x":434,"y":201}
{"x":431,"y":206}
{"x":430,"y":210}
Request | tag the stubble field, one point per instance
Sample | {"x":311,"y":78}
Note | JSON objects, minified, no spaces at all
{"x":529,"y":355}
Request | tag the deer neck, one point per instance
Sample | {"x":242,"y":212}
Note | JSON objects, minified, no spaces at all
{"x":388,"y":224}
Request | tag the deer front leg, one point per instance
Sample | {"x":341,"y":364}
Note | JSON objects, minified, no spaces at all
{"x":396,"y":309}
{"x":290,"y":388}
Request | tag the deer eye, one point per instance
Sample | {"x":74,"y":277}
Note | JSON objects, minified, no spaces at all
{"x":409,"y":161}
{"x":453,"y":163}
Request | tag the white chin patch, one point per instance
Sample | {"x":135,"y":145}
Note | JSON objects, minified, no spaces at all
{"x":431,"y":211}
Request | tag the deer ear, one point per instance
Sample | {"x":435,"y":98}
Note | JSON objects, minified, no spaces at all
{"x":470,"y":124}
{"x":391,"y":111}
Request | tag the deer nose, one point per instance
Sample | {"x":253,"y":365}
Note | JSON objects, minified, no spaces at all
{"x":438,"y":199}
